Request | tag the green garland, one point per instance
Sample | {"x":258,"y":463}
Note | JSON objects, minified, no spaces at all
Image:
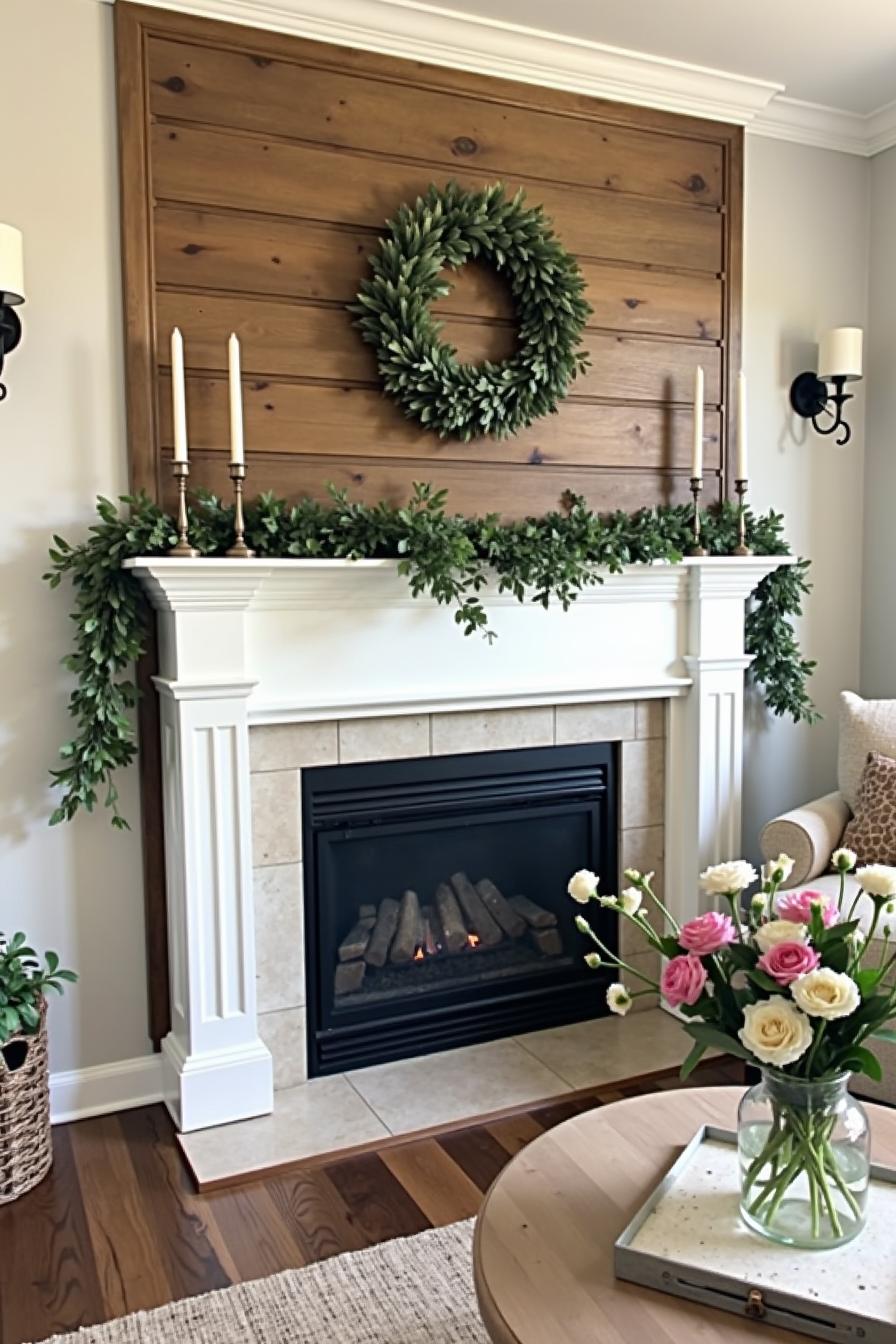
{"x":446,"y":557}
{"x":447,"y":228}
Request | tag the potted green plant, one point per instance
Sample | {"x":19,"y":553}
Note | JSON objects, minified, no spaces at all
{"x":25,"y":1148}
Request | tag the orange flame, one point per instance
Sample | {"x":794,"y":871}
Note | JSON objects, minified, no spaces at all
{"x":419,"y":954}
{"x":473,"y":939}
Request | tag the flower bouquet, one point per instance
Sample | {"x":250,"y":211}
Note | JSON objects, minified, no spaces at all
{"x":794,"y":985}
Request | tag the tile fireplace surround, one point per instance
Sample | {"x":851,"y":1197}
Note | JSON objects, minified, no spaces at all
{"x":268,"y":667}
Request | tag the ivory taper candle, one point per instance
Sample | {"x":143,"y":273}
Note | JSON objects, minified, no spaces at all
{"x":178,"y":396}
{"x":741,"y":471}
{"x":237,"y":452}
{"x":697,"y":454}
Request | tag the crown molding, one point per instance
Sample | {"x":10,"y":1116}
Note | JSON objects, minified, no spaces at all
{"x":462,"y":41}
{"x":827,"y":127}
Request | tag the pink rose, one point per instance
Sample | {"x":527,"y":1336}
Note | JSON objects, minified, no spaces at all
{"x":796,"y":906}
{"x":707,"y":933}
{"x":788,"y":961}
{"x":683,"y":980}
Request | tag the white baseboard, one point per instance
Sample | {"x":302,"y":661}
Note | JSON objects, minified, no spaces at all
{"x":79,"y":1093}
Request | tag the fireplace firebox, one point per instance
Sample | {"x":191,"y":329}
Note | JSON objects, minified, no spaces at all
{"x":435,"y":899}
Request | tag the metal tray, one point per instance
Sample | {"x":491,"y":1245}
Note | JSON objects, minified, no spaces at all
{"x":688,"y":1240}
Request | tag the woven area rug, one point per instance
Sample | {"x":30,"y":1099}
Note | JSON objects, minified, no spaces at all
{"x":415,"y":1290}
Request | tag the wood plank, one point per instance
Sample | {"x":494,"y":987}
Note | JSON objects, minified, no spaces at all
{"x":213,"y":167}
{"x":202,"y":83}
{"x":299,"y":420}
{"x":510,"y":491}
{"x":130,"y":1273}
{"x":515,"y":1131}
{"x":259,"y":1241}
{"x":437,"y":1185}
{"x":477,"y":1153}
{"x":300,"y":340}
{"x":48,"y":1277}
{"x":187,"y":1244}
{"x":375,"y":1199}
{"x":245,"y":254}
{"x":315,"y":1215}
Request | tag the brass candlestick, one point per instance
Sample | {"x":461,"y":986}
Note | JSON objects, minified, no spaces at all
{"x":183,"y":549}
{"x":239,"y":550}
{"x":696,"y":491}
{"x":741,"y":548}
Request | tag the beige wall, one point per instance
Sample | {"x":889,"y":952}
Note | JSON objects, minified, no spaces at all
{"x":805,"y":269}
{"x":62,"y":440}
{"x":878,"y":623}
{"x":76,"y":888}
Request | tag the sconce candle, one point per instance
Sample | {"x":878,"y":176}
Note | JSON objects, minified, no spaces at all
{"x":840,"y":354}
{"x":697,"y":453}
{"x":740,"y":464}
{"x":839,"y":363}
{"x":178,"y":396}
{"x":237,"y":450}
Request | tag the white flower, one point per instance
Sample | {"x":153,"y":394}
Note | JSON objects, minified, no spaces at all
{"x":583,"y":886}
{"x":582,"y":924}
{"x":757,"y":904}
{"x":630,"y":900}
{"x":775,"y":1031}
{"x":592,"y":960}
{"x":609,"y":902}
{"x":843,"y":860}
{"x":618,"y":999}
{"x":877,"y":879}
{"x":778,"y":870}
{"x":640,"y":880}
{"x":725,"y":879}
{"x":826,"y":993}
{"x":780,"y":931}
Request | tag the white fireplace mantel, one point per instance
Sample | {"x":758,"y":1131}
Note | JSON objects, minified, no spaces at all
{"x":280,"y":641}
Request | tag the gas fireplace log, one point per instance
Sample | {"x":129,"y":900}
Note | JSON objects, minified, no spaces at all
{"x":409,"y":934}
{"x":383,"y":933}
{"x":349,"y":977}
{"x":354,"y":944}
{"x":478,"y":918}
{"x":535,"y":915}
{"x":366,"y":912}
{"x":510,"y":920}
{"x":431,"y":931}
{"x":454,"y":930}
{"x":547,"y":941}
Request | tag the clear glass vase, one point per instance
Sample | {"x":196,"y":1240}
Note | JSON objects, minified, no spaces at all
{"x":804,"y":1149}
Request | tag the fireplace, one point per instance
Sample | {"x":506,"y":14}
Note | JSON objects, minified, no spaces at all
{"x":435,"y":898}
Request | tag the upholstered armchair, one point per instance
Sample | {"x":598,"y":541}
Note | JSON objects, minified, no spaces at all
{"x":811,"y":833}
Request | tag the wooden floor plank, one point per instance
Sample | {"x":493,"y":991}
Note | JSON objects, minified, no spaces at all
{"x":515,"y":1132}
{"x":258,"y":1239}
{"x":130,"y":1273}
{"x":48,"y":1279}
{"x":477,"y":1153}
{"x":379,"y":1204}
{"x":313,"y":1211}
{"x":434,"y":1181}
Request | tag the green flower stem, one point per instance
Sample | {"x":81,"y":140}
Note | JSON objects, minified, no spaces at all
{"x":667,"y":914}
{"x":733,"y":897}
{"x":813,"y":1049}
{"x":804,"y":1138}
{"x":613,"y":960}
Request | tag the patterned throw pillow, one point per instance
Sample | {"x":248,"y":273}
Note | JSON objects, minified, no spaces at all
{"x":872,"y":831}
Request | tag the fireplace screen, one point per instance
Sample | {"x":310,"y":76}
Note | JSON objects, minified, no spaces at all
{"x":435,"y":898}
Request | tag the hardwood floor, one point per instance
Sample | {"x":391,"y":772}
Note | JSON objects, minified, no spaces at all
{"x":117,"y":1226}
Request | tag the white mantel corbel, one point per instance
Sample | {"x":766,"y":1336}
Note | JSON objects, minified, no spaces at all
{"x":277,"y":641}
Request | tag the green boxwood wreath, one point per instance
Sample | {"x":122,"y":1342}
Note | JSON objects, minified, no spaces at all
{"x":422,"y":372}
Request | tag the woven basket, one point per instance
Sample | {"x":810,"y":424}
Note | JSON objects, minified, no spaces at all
{"x":26,"y":1150}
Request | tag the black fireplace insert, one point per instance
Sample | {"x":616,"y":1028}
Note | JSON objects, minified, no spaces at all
{"x":436,"y":912}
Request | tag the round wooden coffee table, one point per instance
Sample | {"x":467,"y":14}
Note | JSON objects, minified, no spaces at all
{"x":543,"y":1250}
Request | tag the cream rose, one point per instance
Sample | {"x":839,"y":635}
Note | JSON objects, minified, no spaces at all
{"x":778,"y":870}
{"x":777,"y":931}
{"x":583,"y":886}
{"x":826,"y":993}
{"x":877,"y":879}
{"x":776,"y":1031}
{"x":630,"y":900}
{"x":724,"y":879}
{"x":618,"y":1000}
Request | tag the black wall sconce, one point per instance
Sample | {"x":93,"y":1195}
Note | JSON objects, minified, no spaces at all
{"x":12,"y":293}
{"x":839,"y":363}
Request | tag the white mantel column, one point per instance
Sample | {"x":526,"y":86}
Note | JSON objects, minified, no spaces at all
{"x":215,"y":1067}
{"x":705,"y":732}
